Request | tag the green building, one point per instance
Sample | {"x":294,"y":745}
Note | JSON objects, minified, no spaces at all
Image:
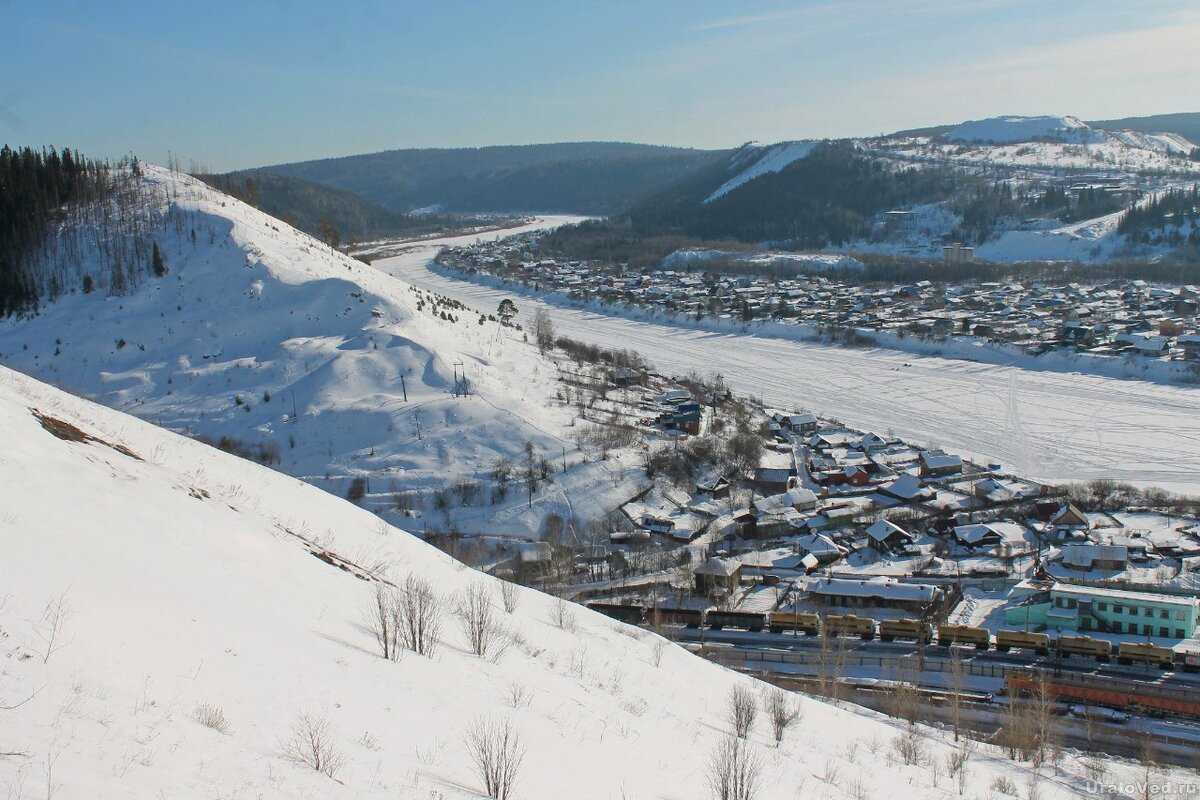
{"x":1066,"y":607}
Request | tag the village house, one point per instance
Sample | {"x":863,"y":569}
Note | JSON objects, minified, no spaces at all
{"x":877,"y":592}
{"x":1087,"y":557}
{"x":935,"y":464}
{"x":718,"y":576}
{"x":886,"y":536}
{"x":1067,"y":607}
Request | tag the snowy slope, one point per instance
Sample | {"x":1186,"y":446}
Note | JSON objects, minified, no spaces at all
{"x":264,"y":335}
{"x":1164,"y":142}
{"x":772,"y":159}
{"x":1008,"y":129}
{"x":189,"y":578}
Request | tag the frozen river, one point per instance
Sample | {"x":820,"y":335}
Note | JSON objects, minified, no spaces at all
{"x":1050,"y":426}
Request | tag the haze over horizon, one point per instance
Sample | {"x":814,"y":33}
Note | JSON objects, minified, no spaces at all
{"x":227,"y":86}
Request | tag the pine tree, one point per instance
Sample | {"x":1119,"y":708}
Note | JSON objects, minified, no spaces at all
{"x":160,"y":266}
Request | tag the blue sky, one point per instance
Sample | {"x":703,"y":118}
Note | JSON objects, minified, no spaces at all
{"x":235,"y":84}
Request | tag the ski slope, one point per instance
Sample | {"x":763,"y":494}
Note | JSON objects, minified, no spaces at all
{"x":1046,"y":425}
{"x":187,"y":577}
{"x":772,"y":159}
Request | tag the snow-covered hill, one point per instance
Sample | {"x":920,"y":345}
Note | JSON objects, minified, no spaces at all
{"x":148,"y":580}
{"x":1005,"y":130}
{"x":312,"y":360}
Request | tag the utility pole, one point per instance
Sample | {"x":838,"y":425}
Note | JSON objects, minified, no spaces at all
{"x":404,"y":388}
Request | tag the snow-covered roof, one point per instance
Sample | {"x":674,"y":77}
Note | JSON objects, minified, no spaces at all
{"x":906,"y":486}
{"x":720,"y":567}
{"x":880,"y":530}
{"x":1008,"y":532}
{"x":1084,"y":555}
{"x":940,"y":460}
{"x":878,"y":587}
{"x":1120,"y":595}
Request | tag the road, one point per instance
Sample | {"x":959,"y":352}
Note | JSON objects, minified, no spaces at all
{"x":1050,"y":426}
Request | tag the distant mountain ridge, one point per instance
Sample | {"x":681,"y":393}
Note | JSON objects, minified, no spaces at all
{"x":582,"y":177}
{"x":1015,"y":187}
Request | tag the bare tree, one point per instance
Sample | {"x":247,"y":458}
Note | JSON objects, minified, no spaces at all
{"x":50,"y":629}
{"x":381,"y":619}
{"x":543,"y":330}
{"x":743,"y":708}
{"x":478,"y":620}
{"x":657,"y":648}
{"x":1146,"y":753}
{"x":497,"y":750}
{"x":782,"y":709}
{"x":957,"y":761}
{"x":419,"y":616}
{"x":311,"y":743}
{"x":1041,"y":707}
{"x":562,"y":615}
{"x":831,"y":664}
{"x":957,"y":682}
{"x":902,"y":700}
{"x":734,"y":772}
{"x":909,"y":745}
{"x":510,"y":595}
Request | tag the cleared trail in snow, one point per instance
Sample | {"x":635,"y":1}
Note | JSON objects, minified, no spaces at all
{"x":1050,"y":426}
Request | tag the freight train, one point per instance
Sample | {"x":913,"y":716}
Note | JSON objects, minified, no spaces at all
{"x":911,"y":630}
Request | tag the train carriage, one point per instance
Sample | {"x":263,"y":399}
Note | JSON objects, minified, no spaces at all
{"x":632,"y":614}
{"x":748,"y":620}
{"x":850,"y":625}
{"x":691,"y":617}
{"x":964,"y":634}
{"x":781,"y":621}
{"x":1023,"y":640}
{"x":914,"y":630}
{"x":1099,"y":649}
{"x":1146,"y":653}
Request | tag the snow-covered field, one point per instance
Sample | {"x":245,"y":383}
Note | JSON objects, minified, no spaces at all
{"x":1051,"y":426}
{"x":186,"y":578}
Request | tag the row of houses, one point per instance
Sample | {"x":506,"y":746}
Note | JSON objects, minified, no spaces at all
{"x":1120,"y":317}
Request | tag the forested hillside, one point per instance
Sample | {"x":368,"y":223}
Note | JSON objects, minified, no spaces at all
{"x":315,"y":209}
{"x":54,"y":207}
{"x":583,"y":177}
{"x":828,"y":197}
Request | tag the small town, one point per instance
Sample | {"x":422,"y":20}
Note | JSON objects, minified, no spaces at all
{"x":1119,"y":318}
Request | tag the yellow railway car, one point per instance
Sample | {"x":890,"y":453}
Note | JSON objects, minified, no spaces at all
{"x":1146,"y":653}
{"x":1087,"y":646}
{"x":964,"y":634}
{"x":850,"y":625}
{"x":910,"y":629}
{"x":1023,"y":640}
{"x":781,"y":621}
